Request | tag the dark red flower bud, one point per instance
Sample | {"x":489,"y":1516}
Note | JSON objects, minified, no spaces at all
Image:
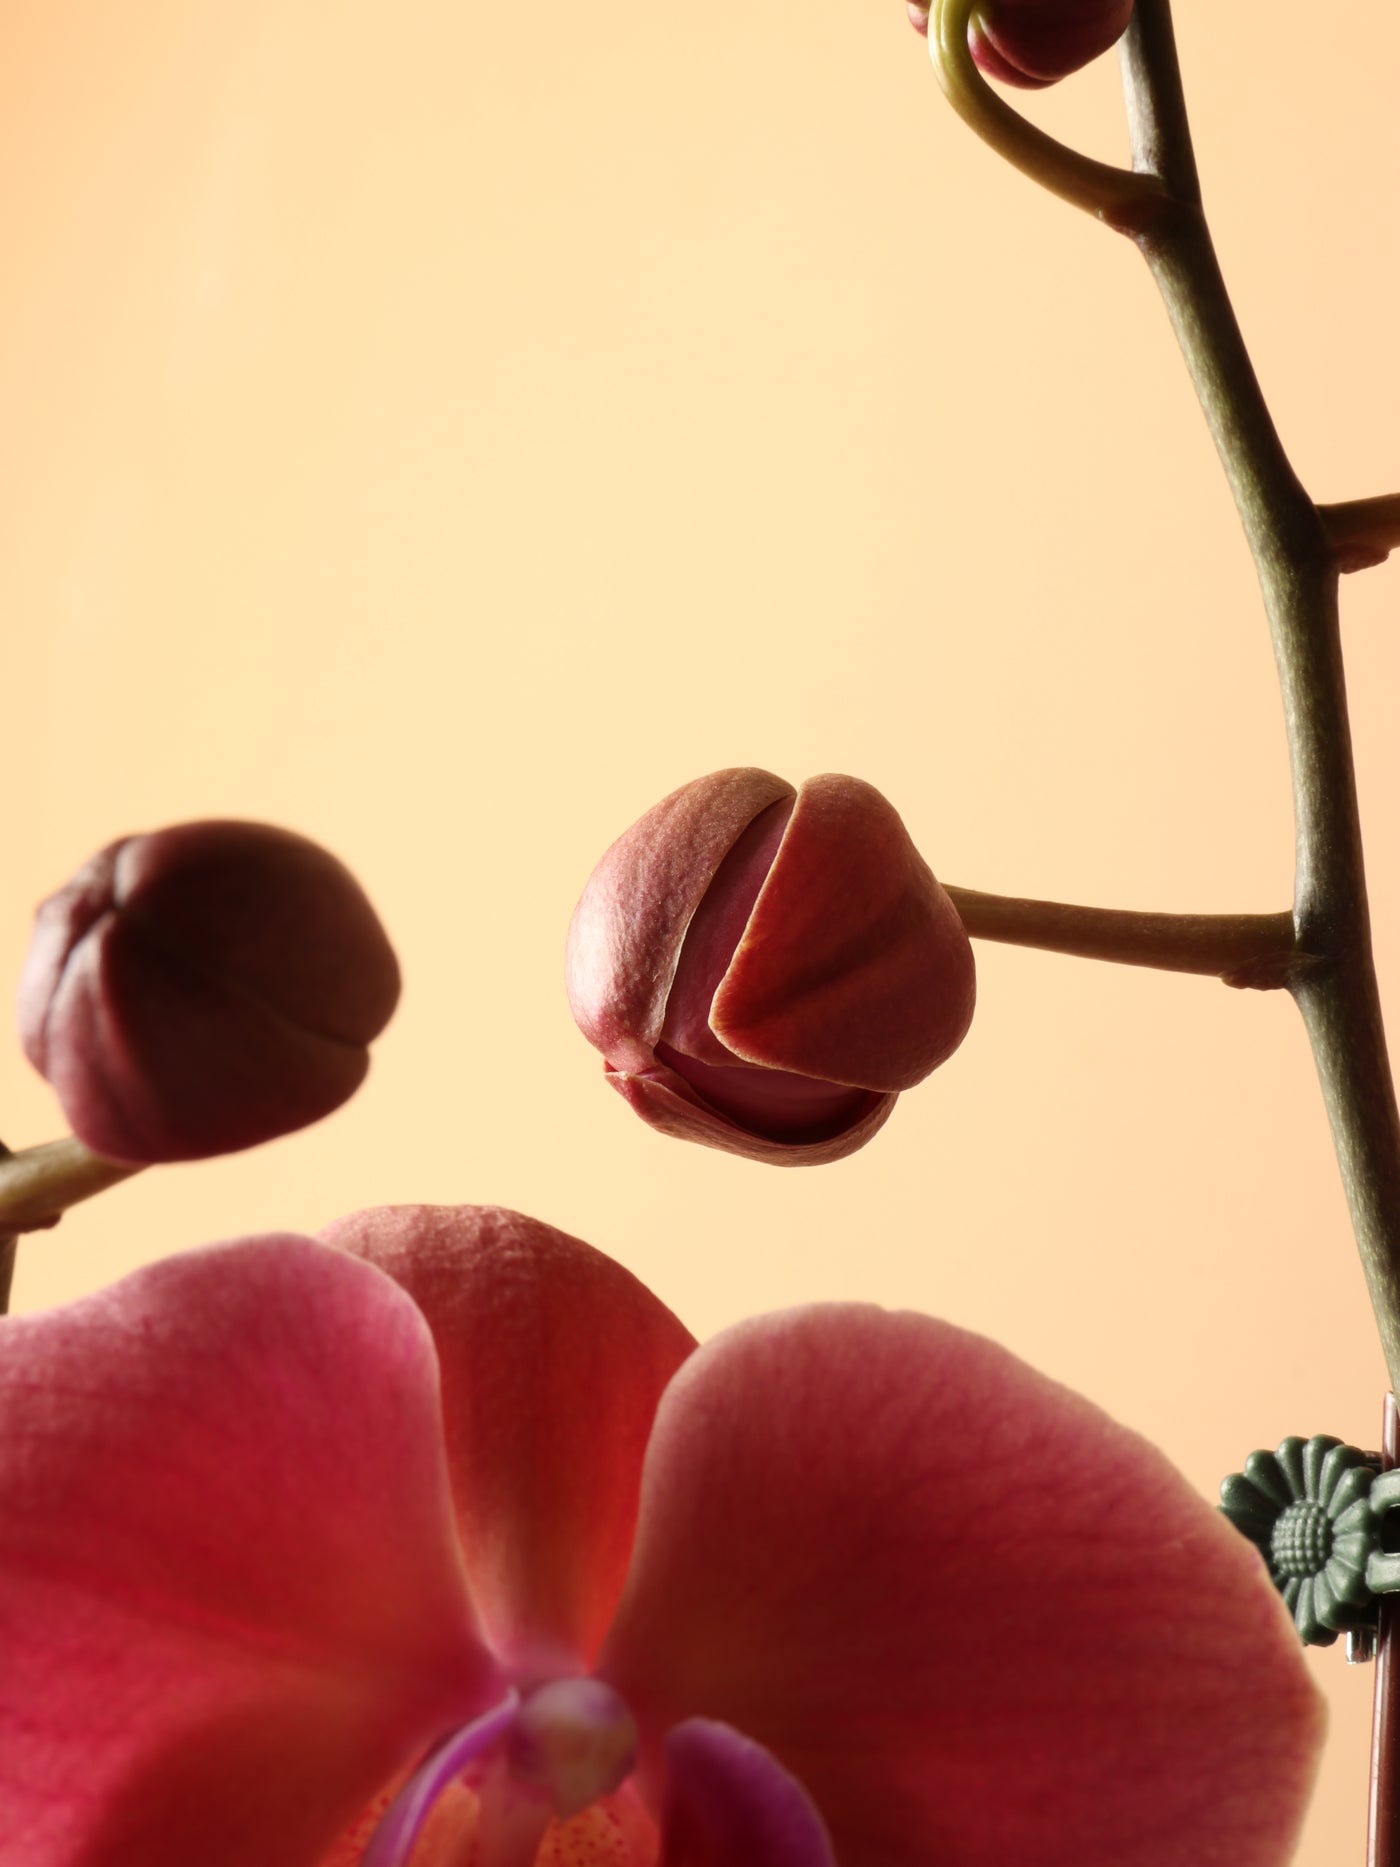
{"x":1033,"y":43}
{"x":204,"y":988}
{"x":764,"y":970}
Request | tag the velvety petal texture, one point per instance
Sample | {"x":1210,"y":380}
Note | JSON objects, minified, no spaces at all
{"x":978,"y":1621}
{"x":893,"y":1599}
{"x":204,"y":988}
{"x":231,"y":1601}
{"x":554,"y":1359}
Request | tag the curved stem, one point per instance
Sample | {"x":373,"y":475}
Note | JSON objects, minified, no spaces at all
{"x":1243,"y":949}
{"x":39,"y":1184}
{"x":1298,"y":574}
{"x":1118,"y":196}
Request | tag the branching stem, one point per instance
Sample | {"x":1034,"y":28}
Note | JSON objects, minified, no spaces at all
{"x":1298,"y":570}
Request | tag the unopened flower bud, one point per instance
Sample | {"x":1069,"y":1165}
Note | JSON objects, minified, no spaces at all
{"x":1032,"y":43}
{"x":204,"y":988}
{"x":765,"y":969}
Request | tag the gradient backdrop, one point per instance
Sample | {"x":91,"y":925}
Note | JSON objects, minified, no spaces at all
{"x":444,"y":429}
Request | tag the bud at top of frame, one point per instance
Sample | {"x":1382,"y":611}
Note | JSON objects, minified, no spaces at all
{"x":1033,"y":43}
{"x":204,"y":988}
{"x":765,"y":969}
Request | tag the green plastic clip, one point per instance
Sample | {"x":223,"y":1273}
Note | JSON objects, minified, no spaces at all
{"x":1318,"y":1513}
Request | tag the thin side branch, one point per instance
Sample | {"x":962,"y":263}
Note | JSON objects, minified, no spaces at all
{"x":1243,"y":949}
{"x":39,"y":1184}
{"x":1362,"y":532}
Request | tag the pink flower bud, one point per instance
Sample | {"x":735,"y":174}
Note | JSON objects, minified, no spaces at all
{"x":1033,"y":43}
{"x":764,"y":970}
{"x":204,"y":988}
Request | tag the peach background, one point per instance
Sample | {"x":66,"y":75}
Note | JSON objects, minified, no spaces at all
{"x":445,"y":428}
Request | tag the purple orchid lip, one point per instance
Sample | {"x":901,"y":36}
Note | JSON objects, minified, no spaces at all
{"x":393,"y":1841}
{"x":570,"y":1741}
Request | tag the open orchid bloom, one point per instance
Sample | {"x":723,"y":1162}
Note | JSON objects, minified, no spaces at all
{"x":444,"y":1544}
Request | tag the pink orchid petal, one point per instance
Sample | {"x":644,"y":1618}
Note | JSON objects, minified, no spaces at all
{"x":231,"y":1603}
{"x":553,"y":1361}
{"x":666,"y":1102}
{"x":625,"y":937}
{"x":871,"y":984}
{"x":977,"y":1620}
{"x":730,"y":1803}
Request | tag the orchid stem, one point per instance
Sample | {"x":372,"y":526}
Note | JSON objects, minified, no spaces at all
{"x":1298,"y":574}
{"x":1299,"y":554}
{"x":39,"y":1184}
{"x":1257,"y":950}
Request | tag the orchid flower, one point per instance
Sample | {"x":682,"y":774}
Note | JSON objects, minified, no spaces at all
{"x":439,"y":1541}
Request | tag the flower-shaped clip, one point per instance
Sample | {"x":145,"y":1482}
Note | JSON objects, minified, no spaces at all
{"x":1316,"y":1511}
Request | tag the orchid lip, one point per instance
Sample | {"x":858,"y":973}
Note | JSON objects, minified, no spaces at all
{"x":393,"y":1841}
{"x":567,"y":1743}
